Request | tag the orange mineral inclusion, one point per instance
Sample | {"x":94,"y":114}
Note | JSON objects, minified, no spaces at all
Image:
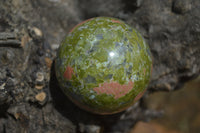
{"x":114,"y":88}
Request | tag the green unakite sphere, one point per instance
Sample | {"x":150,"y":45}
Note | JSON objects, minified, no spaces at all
{"x":103,"y":65}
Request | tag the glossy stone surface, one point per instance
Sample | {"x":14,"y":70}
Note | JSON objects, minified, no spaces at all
{"x":103,"y":65}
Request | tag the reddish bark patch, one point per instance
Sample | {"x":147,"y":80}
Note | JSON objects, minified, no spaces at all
{"x":114,"y":88}
{"x":116,"y":21}
{"x":80,"y":24}
{"x":139,"y":95}
{"x":68,"y":73}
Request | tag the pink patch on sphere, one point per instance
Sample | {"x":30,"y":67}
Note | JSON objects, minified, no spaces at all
{"x":114,"y":88}
{"x":68,"y":73}
{"x":116,"y":21}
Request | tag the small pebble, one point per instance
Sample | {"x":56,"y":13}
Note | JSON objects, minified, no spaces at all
{"x":89,"y":128}
{"x":48,"y":62}
{"x":39,"y":78}
{"x":2,"y":86}
{"x":39,"y":87}
{"x":41,"y":97}
{"x":93,"y":129}
{"x":55,"y":46}
{"x":37,"y":32}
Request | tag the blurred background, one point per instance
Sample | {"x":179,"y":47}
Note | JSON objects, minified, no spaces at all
{"x":181,"y":111}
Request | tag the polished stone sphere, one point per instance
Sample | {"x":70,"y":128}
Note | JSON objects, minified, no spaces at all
{"x":103,"y":65}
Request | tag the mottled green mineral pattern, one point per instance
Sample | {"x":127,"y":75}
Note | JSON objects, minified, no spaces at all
{"x":103,"y":65}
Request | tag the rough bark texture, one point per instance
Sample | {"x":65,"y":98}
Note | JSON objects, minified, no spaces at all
{"x":30,"y":32}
